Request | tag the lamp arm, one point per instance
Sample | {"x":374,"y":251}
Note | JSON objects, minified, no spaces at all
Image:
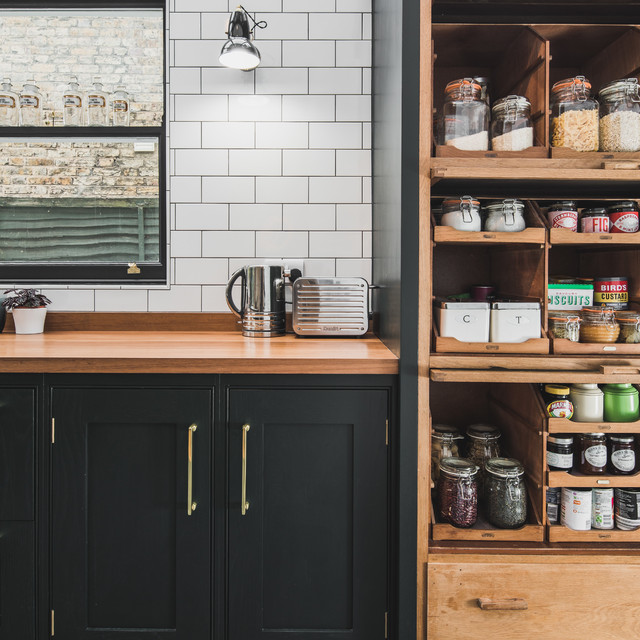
{"x":261,"y":24}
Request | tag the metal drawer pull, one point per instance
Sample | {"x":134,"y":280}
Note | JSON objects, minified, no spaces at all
{"x":245,"y":504}
{"x":503,"y":604}
{"x":191,"y":505}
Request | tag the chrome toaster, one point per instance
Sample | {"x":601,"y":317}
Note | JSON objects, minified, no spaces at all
{"x":330,"y":306}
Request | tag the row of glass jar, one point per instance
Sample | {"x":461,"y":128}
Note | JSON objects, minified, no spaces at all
{"x":577,"y":120}
{"x":586,"y":402}
{"x":619,"y":217}
{"x":503,"y":491}
{"x":92,"y":107}
{"x":466,"y":214}
{"x":592,"y":453}
{"x":596,"y":325}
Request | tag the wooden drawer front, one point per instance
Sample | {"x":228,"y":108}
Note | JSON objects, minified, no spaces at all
{"x":566,"y":601}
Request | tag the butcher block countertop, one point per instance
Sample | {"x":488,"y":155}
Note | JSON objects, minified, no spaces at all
{"x":154,"y":350}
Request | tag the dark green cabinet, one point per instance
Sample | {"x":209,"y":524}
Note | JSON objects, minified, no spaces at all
{"x":128,"y":560}
{"x":307,"y":555}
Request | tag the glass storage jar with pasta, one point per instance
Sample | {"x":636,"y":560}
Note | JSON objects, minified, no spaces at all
{"x":620,"y":116}
{"x":574,"y":115}
{"x":465,"y":116}
{"x":511,"y":128}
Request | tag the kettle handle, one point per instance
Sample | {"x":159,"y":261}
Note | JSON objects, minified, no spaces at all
{"x":229,"y":291}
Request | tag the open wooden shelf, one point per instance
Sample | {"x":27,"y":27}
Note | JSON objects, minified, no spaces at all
{"x":562,"y":425}
{"x":560,"y":533}
{"x":564,"y":236}
{"x":561,"y":345}
{"x":604,"y":481}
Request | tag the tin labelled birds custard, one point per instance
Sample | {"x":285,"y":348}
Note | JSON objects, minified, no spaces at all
{"x":611,"y":291}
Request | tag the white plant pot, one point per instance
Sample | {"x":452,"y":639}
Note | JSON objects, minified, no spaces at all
{"x":29,"y":320}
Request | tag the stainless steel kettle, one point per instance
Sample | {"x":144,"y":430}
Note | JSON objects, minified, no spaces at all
{"x":262,"y":309}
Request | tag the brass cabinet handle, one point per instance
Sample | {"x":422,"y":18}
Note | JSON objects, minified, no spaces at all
{"x":191,"y":505}
{"x":245,"y":504}
{"x":503,"y":604}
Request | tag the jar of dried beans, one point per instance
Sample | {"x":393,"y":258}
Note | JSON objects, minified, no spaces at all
{"x":458,"y":492}
{"x":505,"y":493}
{"x":465,"y":116}
{"x":574,"y":115}
{"x":444,"y":444}
{"x":483,"y":445}
{"x":511,"y":128}
{"x":620,"y":116}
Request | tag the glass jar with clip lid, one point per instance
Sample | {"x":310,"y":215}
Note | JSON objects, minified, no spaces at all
{"x":511,"y":128}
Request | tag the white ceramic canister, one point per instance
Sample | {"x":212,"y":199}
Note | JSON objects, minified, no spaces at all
{"x":588,"y":402}
{"x":462,"y":214}
{"x":602,"y":509}
{"x":514,"y":321}
{"x":575,"y":509}
{"x":465,"y":321}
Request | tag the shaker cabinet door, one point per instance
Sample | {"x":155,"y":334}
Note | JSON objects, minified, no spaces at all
{"x":307,"y":552}
{"x":128,"y":560}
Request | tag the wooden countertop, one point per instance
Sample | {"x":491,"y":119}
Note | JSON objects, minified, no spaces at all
{"x":191,"y":352}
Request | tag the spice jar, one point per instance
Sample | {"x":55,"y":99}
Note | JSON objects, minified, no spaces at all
{"x":624,"y":217}
{"x":511,"y":128}
{"x":588,"y":402}
{"x":462,"y":214}
{"x":505,"y":493}
{"x":465,"y":116}
{"x":560,"y":452}
{"x":620,"y":116}
{"x":458,"y":492}
{"x":594,"y":220}
{"x":565,"y":325}
{"x":592,"y":453}
{"x":598,"y":325}
{"x":444,"y":444}
{"x":629,"y":326}
{"x":557,"y":401}
{"x":505,"y":215}
{"x":563,"y":215}
{"x":621,"y":402}
{"x":622,"y":454}
{"x":574,"y":115}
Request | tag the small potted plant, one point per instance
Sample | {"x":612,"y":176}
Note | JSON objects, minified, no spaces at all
{"x":29,"y":309}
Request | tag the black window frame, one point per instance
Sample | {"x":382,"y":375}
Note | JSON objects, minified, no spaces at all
{"x":70,"y":273}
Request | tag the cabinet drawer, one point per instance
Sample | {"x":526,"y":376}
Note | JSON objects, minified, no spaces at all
{"x":562,"y":600}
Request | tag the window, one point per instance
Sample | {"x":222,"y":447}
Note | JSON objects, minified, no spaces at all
{"x":79,"y":203}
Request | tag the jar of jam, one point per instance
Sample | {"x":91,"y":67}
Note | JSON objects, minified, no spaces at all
{"x":563,"y":215}
{"x":505,"y":493}
{"x":557,"y":401}
{"x":592,"y":449}
{"x":444,"y":444}
{"x":624,"y":217}
{"x":458,"y":492}
{"x":622,"y":454}
{"x":599,"y":325}
{"x":560,"y":452}
{"x":594,"y":220}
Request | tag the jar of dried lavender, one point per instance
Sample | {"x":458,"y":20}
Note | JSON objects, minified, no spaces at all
{"x":505,"y":493}
{"x":458,"y":491}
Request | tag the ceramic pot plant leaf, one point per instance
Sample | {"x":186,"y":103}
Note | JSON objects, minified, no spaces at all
{"x":29,"y":309}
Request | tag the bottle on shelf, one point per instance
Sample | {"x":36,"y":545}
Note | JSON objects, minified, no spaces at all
{"x":97,"y":114}
{"x":120,"y":107}
{"x":9,"y":116}
{"x":72,"y":104}
{"x":30,"y":105}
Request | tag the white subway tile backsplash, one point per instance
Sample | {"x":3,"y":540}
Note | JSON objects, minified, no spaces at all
{"x":201,"y":5}
{"x":283,"y":26}
{"x":200,"y":270}
{"x":270,"y":53}
{"x":366,"y":81}
{"x":184,"y":26}
{"x":309,"y":53}
{"x":283,"y":190}
{"x":315,"y":268}
{"x":214,"y":25}
{"x":281,"y":81}
{"x":228,"y":135}
{"x":176,"y":299}
{"x":201,"y":216}
{"x":335,"y":26}
{"x":121,"y":300}
{"x":367,"y":26}
{"x":227,"y":244}
{"x":214,"y":299}
{"x":70,"y":299}
{"x":201,"y":162}
{"x":254,"y":108}
{"x":223,"y":81}
{"x":309,"y":162}
{"x":353,"y":108}
{"x":282,"y":135}
{"x":184,"y":79}
{"x":255,"y":216}
{"x":228,"y":190}
{"x":282,"y":244}
{"x":259,"y":5}
{"x":354,"y":5}
{"x":334,"y":81}
{"x":335,"y":135}
{"x":366,"y":135}
{"x":200,"y":108}
{"x":341,"y":190}
{"x":353,"y":53}
{"x":353,"y":217}
{"x":308,"y":108}
{"x":353,"y":162}
{"x":186,"y":244}
{"x":196,"y":53}
{"x":255,"y":162}
{"x":354,"y":268}
{"x":185,"y":135}
{"x":339,"y":244}
{"x":186,"y":189}
{"x":309,"y":5}
{"x":367,"y":244}
{"x":307,"y":217}
{"x":366,"y":190}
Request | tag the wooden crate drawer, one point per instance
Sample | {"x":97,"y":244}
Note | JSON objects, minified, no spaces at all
{"x":558,"y":591}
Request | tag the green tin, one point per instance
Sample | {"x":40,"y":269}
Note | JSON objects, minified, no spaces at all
{"x":621,"y":403}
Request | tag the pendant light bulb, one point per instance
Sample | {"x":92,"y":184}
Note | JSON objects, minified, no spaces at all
{"x":239,"y":52}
